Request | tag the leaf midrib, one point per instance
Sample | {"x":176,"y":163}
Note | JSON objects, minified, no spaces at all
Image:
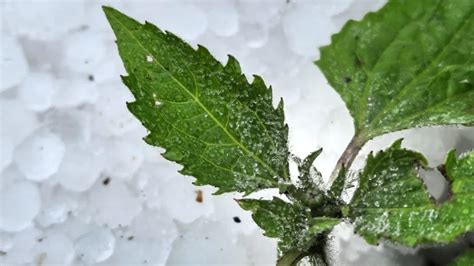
{"x":211,"y":144}
{"x":363,"y":111}
{"x":198,"y":101}
{"x":405,"y":89}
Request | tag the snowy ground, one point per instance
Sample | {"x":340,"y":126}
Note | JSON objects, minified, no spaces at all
{"x":79,"y":186}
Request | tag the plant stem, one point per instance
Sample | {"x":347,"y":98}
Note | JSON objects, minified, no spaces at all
{"x":290,"y":258}
{"x":317,"y":253}
{"x":348,"y":156}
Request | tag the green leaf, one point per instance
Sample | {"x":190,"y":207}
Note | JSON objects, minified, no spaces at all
{"x":337,"y":187}
{"x":392,"y":202}
{"x":290,"y":223}
{"x":309,"y":188}
{"x":466,"y":259}
{"x":309,"y":176}
{"x":223,"y":130}
{"x":410,"y":64}
{"x":321,"y":224}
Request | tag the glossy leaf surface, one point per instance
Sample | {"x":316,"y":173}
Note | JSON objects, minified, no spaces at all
{"x":392,"y":202}
{"x":208,"y":117}
{"x":290,"y":223}
{"x":410,"y":64}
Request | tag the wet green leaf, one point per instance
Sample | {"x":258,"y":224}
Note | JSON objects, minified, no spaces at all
{"x":466,"y":259}
{"x":392,"y":202}
{"x":337,"y":187}
{"x":223,"y":130}
{"x":309,"y":176}
{"x":410,"y":64}
{"x":321,"y":224}
{"x":291,"y":223}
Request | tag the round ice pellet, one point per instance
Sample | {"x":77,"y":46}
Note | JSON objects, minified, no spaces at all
{"x":40,"y":155}
{"x":20,"y":203}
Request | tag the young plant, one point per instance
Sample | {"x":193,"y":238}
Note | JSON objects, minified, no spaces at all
{"x":411,"y":64}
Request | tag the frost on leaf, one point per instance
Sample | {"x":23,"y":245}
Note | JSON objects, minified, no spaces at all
{"x":290,"y":223}
{"x":209,"y":118}
{"x":410,"y":64}
{"x":392,"y":202}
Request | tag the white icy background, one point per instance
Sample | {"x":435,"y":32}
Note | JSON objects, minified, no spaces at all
{"x":79,"y":186}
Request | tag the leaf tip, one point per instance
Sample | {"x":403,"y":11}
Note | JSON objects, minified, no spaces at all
{"x":397,"y":144}
{"x":232,"y":64}
{"x":110,"y":12}
{"x":107,"y":9}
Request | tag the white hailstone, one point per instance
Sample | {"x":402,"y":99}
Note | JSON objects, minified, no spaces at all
{"x":79,"y":169}
{"x":261,"y":250}
{"x":252,"y":64}
{"x":435,"y":147}
{"x":53,"y":249}
{"x":39,"y":156}
{"x":334,"y":7}
{"x":15,"y":128}
{"x":210,"y":245}
{"x":265,"y":13}
{"x":73,"y":92}
{"x":237,"y":220}
{"x":39,"y":19}
{"x":436,"y":184}
{"x":153,"y":153}
{"x":440,"y":142}
{"x":335,"y":134}
{"x":285,"y":64}
{"x":113,"y":205}
{"x":6,"y":152}
{"x":57,"y":205}
{"x":342,"y":232}
{"x":291,"y":94}
{"x":359,"y":9}
{"x":356,"y":251}
{"x":72,"y":125}
{"x":356,"y":11}
{"x":111,"y":117}
{"x":109,"y":68}
{"x":84,"y":50}
{"x":36,"y":91}
{"x":467,"y":135}
{"x":53,"y":214}
{"x":255,"y":35}
{"x":182,"y":199}
{"x":95,"y":246}
{"x":304,"y":40}
{"x":154,"y":225}
{"x":152,"y":176}
{"x":74,"y":227}
{"x":9,"y":176}
{"x":20,"y":203}
{"x":223,"y":19}
{"x":147,"y":241}
{"x":43,"y":55}
{"x":96,"y":20}
{"x":123,"y":157}
{"x":185,"y":20}
{"x":6,"y":242}
{"x":14,"y":67}
{"x":305,"y":133}
{"x":356,"y":246}
{"x":23,"y":243}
